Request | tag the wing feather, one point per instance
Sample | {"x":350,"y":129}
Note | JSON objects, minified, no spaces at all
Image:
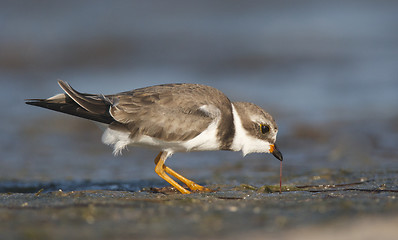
{"x":172,"y":112}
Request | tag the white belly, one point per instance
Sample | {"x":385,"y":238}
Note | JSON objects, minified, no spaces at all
{"x":206,"y":141}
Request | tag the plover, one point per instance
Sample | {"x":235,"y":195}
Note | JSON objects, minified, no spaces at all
{"x":172,"y":118}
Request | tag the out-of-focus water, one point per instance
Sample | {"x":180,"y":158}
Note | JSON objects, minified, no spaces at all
{"x":327,"y":71}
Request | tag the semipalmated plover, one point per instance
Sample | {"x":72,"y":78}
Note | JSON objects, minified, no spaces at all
{"x":172,"y":118}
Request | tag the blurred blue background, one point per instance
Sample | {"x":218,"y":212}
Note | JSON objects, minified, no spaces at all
{"x":326,"y":70}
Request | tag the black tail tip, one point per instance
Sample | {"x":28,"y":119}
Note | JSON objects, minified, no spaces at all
{"x":34,"y":102}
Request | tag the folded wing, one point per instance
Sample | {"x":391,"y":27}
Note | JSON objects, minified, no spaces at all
{"x":172,"y":112}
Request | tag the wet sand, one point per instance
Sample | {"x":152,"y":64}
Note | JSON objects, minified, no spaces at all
{"x":365,"y":207}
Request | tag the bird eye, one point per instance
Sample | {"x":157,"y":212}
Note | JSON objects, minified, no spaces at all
{"x":264,"y":128}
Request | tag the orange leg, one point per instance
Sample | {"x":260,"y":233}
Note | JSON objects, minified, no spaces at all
{"x":160,"y":168}
{"x":192,"y":185}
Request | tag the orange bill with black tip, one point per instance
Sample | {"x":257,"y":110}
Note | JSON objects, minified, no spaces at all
{"x":275,"y":151}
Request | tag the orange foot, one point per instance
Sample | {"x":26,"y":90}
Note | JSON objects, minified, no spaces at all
{"x":198,"y":188}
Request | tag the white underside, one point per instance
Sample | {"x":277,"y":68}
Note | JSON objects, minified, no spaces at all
{"x":206,"y":141}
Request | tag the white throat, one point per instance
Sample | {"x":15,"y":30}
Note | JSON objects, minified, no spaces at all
{"x":243,"y":141}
